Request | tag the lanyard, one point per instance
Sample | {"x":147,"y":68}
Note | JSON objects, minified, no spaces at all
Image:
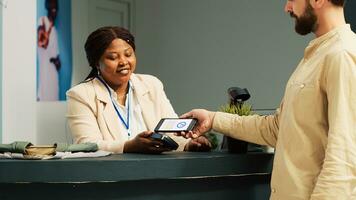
{"x":127,"y":123}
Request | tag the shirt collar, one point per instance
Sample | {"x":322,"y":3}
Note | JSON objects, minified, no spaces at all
{"x":139,"y":85}
{"x":317,"y":42}
{"x":104,"y":91}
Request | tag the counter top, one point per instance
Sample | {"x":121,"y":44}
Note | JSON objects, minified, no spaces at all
{"x":129,"y":167}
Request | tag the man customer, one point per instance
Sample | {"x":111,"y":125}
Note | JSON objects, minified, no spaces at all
{"x":314,"y":129}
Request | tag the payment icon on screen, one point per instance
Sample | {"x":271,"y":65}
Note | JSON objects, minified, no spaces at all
{"x":181,"y":124}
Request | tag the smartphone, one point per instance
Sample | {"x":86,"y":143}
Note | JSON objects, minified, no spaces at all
{"x":167,"y":141}
{"x":175,"y":125}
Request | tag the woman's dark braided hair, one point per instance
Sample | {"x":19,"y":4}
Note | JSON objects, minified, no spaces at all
{"x":99,"y":40}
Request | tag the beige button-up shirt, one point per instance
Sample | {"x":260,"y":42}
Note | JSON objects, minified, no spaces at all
{"x":314,"y":129}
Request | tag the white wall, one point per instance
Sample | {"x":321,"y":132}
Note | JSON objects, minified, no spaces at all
{"x":23,"y":117}
{"x":19,"y":71}
{"x":51,"y":124}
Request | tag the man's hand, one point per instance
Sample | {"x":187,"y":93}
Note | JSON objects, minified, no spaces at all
{"x":205,"y":122}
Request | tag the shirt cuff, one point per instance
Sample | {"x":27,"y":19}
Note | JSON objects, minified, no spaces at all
{"x":223,"y":122}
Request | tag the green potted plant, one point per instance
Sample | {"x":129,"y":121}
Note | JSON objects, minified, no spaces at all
{"x":238,"y":106}
{"x":213,"y":139}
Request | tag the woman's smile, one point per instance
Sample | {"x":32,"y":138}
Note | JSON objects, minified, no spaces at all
{"x":123,"y":71}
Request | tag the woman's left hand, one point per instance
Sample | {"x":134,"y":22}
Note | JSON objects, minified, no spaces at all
{"x":198,"y":144}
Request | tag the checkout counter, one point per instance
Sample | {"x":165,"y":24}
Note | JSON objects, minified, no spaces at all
{"x":174,"y":175}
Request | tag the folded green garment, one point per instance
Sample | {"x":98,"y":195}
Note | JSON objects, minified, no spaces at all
{"x":20,"y":147}
{"x":83,"y":147}
{"x":15,"y":147}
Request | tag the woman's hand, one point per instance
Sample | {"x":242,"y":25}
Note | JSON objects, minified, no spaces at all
{"x":143,"y":143}
{"x":198,"y":144}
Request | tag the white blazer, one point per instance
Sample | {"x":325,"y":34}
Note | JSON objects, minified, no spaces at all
{"x":92,"y":118}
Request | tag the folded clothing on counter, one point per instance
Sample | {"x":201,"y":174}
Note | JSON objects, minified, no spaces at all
{"x":26,"y":150}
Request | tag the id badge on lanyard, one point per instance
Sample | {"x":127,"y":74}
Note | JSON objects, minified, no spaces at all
{"x":121,"y":117}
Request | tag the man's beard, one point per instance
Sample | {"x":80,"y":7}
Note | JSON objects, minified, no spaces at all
{"x":306,"y":23}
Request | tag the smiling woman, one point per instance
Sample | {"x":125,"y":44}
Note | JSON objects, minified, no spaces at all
{"x":117,"y":61}
{"x":116,"y":108}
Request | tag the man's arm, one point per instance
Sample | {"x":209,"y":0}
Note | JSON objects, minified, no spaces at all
{"x":254,"y":128}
